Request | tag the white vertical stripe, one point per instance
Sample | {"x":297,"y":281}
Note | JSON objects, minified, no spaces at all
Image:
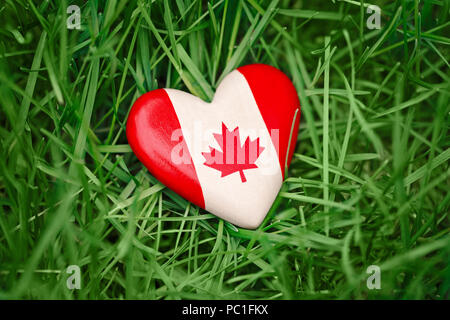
{"x":242,"y":203}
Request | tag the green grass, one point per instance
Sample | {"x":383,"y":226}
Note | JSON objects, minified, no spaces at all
{"x":368,"y":184}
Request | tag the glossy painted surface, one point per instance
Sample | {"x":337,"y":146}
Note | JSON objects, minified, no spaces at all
{"x":151,"y":123}
{"x":256,"y":98}
{"x":277,"y":101}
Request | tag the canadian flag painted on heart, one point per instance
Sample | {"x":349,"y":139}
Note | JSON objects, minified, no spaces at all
{"x":227,"y":156}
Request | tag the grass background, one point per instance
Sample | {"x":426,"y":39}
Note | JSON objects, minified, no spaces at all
{"x":368,"y":184}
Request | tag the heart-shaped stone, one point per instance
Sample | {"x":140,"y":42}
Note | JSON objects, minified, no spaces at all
{"x":227,"y":156}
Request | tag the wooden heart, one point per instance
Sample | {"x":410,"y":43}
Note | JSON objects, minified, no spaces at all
{"x":227,"y":156}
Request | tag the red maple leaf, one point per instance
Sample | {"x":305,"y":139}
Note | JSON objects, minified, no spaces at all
{"x":234,"y":157}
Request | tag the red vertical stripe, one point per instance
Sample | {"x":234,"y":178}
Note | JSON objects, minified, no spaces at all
{"x":150,"y":126}
{"x":277,"y":101}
